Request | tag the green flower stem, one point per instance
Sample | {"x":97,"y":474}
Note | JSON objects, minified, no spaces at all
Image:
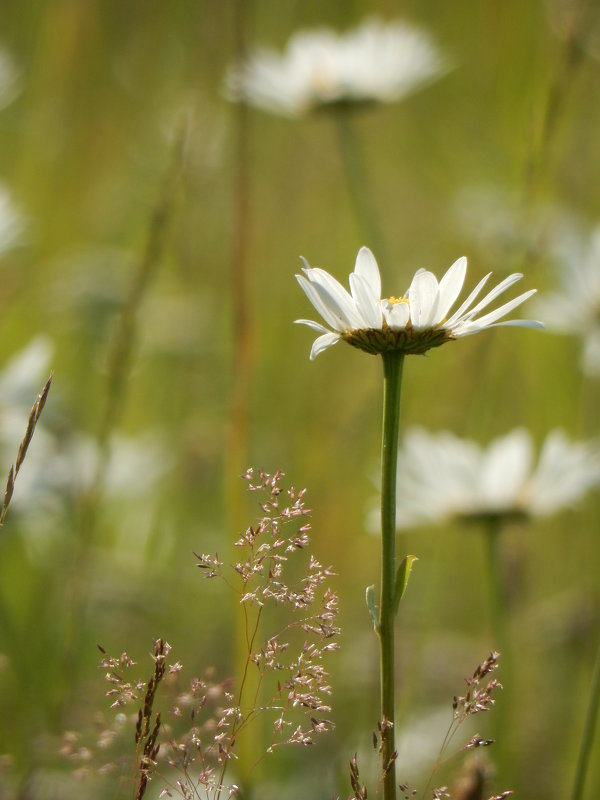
{"x":392,"y":382}
{"x":587,"y":738}
{"x":497,"y":598}
{"x":355,"y":171}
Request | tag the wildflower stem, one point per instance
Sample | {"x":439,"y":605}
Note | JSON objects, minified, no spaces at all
{"x":497,"y":599}
{"x":587,"y":738}
{"x":355,"y":171}
{"x":392,"y":382}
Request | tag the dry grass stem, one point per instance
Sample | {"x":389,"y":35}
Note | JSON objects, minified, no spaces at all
{"x":359,"y":789}
{"x":123,"y":342}
{"x":34,"y":416}
{"x":478,"y":697}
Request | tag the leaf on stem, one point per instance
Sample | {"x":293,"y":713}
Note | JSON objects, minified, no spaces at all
{"x":370,"y":598}
{"x":402,"y":577}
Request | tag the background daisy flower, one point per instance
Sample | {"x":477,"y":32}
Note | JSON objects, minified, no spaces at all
{"x":575,"y":308}
{"x":376,"y":62}
{"x":442,"y":477}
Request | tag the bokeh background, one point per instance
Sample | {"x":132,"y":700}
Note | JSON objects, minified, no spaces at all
{"x":489,"y":162}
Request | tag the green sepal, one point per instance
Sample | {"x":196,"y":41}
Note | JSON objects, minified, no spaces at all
{"x":402,"y":577}
{"x":370,"y":598}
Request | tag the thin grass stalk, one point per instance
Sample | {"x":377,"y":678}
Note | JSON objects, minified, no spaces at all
{"x":32,"y":421}
{"x":241,"y":301}
{"x":123,"y":343}
{"x":392,"y":384}
{"x":569,"y":62}
{"x":499,"y":629}
{"x":587,"y":737}
{"x":8,"y":630}
{"x":236,"y":450}
{"x":355,"y":171}
{"x":119,"y":361}
{"x":122,"y":346}
{"x":245,"y":678}
{"x":497,"y":598}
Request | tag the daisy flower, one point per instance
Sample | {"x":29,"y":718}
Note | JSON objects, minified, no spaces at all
{"x":375,"y":62}
{"x":412,"y":323}
{"x":442,"y":477}
{"x":576,"y":308}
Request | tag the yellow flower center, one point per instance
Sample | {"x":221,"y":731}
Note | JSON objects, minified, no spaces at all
{"x":323,"y":81}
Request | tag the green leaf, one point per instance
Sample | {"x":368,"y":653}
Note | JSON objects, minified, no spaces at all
{"x":402,"y":577}
{"x":370,"y":597}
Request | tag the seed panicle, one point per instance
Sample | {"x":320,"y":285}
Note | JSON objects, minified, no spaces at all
{"x":32,"y":421}
{"x":207,"y":716}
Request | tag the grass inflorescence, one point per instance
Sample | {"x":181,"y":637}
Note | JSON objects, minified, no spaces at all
{"x":186,"y":735}
{"x":32,"y":421}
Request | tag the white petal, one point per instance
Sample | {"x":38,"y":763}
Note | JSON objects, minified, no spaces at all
{"x":464,"y":306}
{"x":322,"y":343}
{"x":565,"y":472}
{"x":490,"y":318}
{"x":505,"y":466}
{"x":519,"y":323}
{"x":336,"y":298}
{"x":366,"y":302}
{"x":366,"y":267}
{"x":423,"y":297}
{"x":323,"y":309}
{"x":496,"y":291}
{"x":450,"y":287}
{"x":468,"y":328}
{"x":396,"y":314}
{"x":316,"y":326}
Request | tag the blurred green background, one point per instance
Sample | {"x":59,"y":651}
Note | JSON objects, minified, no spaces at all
{"x":481,"y":163}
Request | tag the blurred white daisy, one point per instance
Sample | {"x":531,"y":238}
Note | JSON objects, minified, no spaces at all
{"x":61,"y":463}
{"x":576,"y":308}
{"x":375,"y":62}
{"x":414,"y":322}
{"x":442,"y":477}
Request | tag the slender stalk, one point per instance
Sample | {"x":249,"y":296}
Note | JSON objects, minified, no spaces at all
{"x":250,"y":637}
{"x":392,"y":383}
{"x":497,"y":598}
{"x":500,"y":637}
{"x":355,"y":170}
{"x":568,"y":64}
{"x":240,"y":280}
{"x":120,"y":358}
{"x":242,"y":368}
{"x":587,"y":738}
{"x":34,"y":416}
